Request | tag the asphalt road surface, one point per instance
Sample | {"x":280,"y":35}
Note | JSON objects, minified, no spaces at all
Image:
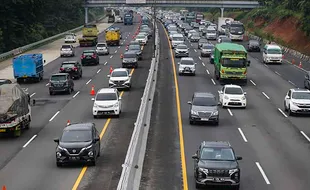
{"x":28,"y":162}
{"x":274,"y":147}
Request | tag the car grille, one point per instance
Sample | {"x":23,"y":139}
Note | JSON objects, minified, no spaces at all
{"x":74,"y":150}
{"x":304,"y":105}
{"x":58,"y":85}
{"x":218,"y":173}
{"x":118,"y":82}
{"x":204,"y":114}
{"x":234,"y":73}
{"x":109,"y":106}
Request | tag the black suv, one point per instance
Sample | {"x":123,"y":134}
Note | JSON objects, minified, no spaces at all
{"x":130,"y":59}
{"x":215,"y":164}
{"x":78,"y":143}
{"x":74,"y":68}
{"x":61,"y":82}
{"x":89,"y":57}
{"x":137,"y":49}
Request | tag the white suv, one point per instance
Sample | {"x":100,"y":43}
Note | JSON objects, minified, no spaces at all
{"x":107,"y":102}
{"x":297,"y":101}
{"x":120,"y":78}
{"x":232,"y":96}
{"x":187,"y":65}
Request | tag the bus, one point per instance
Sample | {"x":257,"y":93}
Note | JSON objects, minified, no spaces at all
{"x":199,"y":17}
{"x":236,"y":30}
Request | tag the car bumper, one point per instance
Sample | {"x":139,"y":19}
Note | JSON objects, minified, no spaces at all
{"x":212,"y":119}
{"x":66,"y":53}
{"x":211,"y":37}
{"x":230,"y":103}
{"x":133,"y":64}
{"x":298,"y":110}
{"x":97,"y":111}
{"x":183,"y":71}
{"x":10,"y":129}
{"x":66,"y":159}
{"x":89,"y":61}
{"x":181,"y":54}
{"x":254,"y":48}
{"x":194,"y":40}
{"x":274,"y":61}
{"x":211,"y":181}
{"x":59,"y":89}
{"x":102,"y":52}
{"x":70,"y":41}
{"x":120,"y":86}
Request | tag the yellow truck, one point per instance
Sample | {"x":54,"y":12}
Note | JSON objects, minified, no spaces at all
{"x":112,"y":36}
{"x":90,"y":35}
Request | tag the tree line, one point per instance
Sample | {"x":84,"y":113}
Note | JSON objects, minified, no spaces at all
{"x":26,"y":21}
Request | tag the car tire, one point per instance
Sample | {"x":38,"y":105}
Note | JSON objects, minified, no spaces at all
{"x":51,"y":93}
{"x":93,"y":162}
{"x":197,"y":185}
{"x":237,"y":187}
{"x":194,"y":74}
{"x":58,"y":164}
{"x":191,"y":122}
{"x":95,"y":116}
{"x":216,"y":123}
{"x":289,"y":111}
{"x":285,"y":108}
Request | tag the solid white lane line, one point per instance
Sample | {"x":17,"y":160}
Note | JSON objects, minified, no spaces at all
{"x":213,"y":81}
{"x":105,"y":63}
{"x":242,"y":134}
{"x":229,"y":111}
{"x":54,"y":116}
{"x":266,"y":95}
{"x":253,"y":82}
{"x":266,"y":65}
{"x":195,"y":50}
{"x":28,"y":142}
{"x":119,"y":47}
{"x":282,"y":112}
{"x":88,"y":81}
{"x":277,"y":73}
{"x":199,"y":58}
{"x":47,"y":84}
{"x":26,"y":89}
{"x":76,"y":94}
{"x":208,"y":71}
{"x":99,"y":71}
{"x":32,"y":94}
{"x":292,"y":83}
{"x":203,"y":64}
{"x":304,"y":134}
{"x":115,"y":51}
{"x":121,"y":43}
{"x":263,"y":173}
{"x":111,"y":56}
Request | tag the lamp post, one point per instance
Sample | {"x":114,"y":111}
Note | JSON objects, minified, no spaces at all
{"x":154,"y":24}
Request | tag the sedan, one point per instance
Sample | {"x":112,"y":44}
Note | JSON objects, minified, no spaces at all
{"x":253,"y":45}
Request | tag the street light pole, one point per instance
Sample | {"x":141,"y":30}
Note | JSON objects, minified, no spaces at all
{"x":154,"y":24}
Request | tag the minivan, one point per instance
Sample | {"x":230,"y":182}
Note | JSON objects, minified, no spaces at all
{"x":272,"y":54}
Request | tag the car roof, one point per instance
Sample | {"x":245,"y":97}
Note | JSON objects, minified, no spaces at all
{"x":203,"y":94}
{"x":79,"y":126}
{"x":299,"y":90}
{"x":272,"y":46}
{"x":232,"y":86}
{"x":187,"y":58}
{"x":106,"y":90}
{"x":215,"y":144}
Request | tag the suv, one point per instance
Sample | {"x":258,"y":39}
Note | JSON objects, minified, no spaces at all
{"x":130,"y":59}
{"x":102,"y":49}
{"x":232,"y":96}
{"x":215,"y":163}
{"x":89,"y":57}
{"x":137,"y":49}
{"x":253,"y":45}
{"x":195,"y":37}
{"x":187,"y":66}
{"x":78,"y":143}
{"x":61,"y":82}
{"x":107,"y":102}
{"x":297,"y":101}
{"x":181,"y":50}
{"x":203,"y":108}
{"x":206,"y":50}
{"x":120,"y":78}
{"x":67,"y":50}
{"x":307,"y":80}
{"x":70,"y":38}
{"x":74,"y":68}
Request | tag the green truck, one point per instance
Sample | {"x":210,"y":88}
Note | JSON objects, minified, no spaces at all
{"x":230,"y":63}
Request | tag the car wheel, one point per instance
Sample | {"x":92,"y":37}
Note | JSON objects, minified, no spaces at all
{"x":95,"y":116}
{"x":289,"y":111}
{"x":197,"y":185}
{"x":193,"y":73}
{"x":51,"y":93}
{"x":191,"y":122}
{"x":93,"y":162}
{"x":216,"y":123}
{"x":58,"y":164}
{"x":237,"y":187}
{"x":285,"y":108}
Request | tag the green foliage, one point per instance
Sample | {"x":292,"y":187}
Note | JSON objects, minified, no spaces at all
{"x":27,"y":21}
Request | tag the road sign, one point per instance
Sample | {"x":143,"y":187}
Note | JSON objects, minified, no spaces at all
{"x":135,"y":1}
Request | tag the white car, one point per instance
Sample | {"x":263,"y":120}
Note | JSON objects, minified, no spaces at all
{"x":70,"y":38}
{"x":297,"y":101}
{"x":272,"y":53}
{"x":102,"y":49}
{"x":232,"y":96}
{"x":118,"y":19}
{"x":67,"y":50}
{"x":187,"y":65}
{"x":171,"y":34}
{"x":120,"y":78}
{"x":142,"y":39}
{"x":107,"y":102}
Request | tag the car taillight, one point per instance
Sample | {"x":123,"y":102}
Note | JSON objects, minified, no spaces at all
{"x":94,"y":56}
{"x":83,"y":56}
{"x":222,"y":71}
{"x":75,"y":68}
{"x":61,"y":69}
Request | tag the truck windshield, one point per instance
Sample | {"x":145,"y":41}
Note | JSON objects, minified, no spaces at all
{"x":236,"y":30}
{"x":274,"y":51}
{"x":236,"y":63}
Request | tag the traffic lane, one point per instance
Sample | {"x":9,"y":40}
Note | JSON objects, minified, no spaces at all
{"x":279,"y":147}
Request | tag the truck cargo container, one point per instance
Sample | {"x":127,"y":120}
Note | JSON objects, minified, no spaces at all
{"x":90,"y":35}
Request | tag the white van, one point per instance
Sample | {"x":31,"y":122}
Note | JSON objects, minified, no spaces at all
{"x":211,"y":33}
{"x":272,"y":54}
{"x":176,"y":40}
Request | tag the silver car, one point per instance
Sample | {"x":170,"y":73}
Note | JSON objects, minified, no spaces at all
{"x":206,"y":50}
{"x":195,"y":37}
{"x":187,"y":66}
{"x":67,"y":50}
{"x":181,"y":50}
{"x":130,"y":59}
{"x":102,"y":49}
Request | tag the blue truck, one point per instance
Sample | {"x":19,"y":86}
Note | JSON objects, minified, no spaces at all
{"x":28,"y":67}
{"x":128,"y":19}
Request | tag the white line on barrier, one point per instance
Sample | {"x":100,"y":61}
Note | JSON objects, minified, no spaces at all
{"x":88,"y":81}
{"x":47,"y":84}
{"x":213,"y":81}
{"x":306,"y":136}
{"x":282,"y":112}
{"x":99,"y":71}
{"x":277,"y":73}
{"x":253,"y":82}
{"x":203,"y":64}
{"x":292,"y":83}
{"x":28,"y":142}
{"x":266,"y":95}
{"x":230,"y":113}
{"x":242,"y":134}
{"x":76,"y":94}
{"x":32,"y":94}
{"x":208,"y":71}
{"x":105,"y":63}
{"x":263,"y":173}
{"x":26,"y":89}
{"x":111,"y":56}
{"x":54,"y":115}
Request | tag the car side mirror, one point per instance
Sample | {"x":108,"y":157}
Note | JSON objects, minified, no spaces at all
{"x":195,"y":157}
{"x":189,"y":102}
{"x":44,"y":61}
{"x":93,"y":99}
{"x":56,"y":140}
{"x":120,"y":98}
{"x":244,"y":93}
{"x":129,"y":75}
{"x":221,"y":92}
{"x":287,"y":97}
{"x":108,"y":76}
{"x":239,"y":158}
{"x":195,"y":63}
{"x":219,"y":103}
{"x":96,"y":139}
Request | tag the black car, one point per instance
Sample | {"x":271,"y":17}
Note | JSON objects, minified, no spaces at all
{"x":5,"y":81}
{"x":137,"y":49}
{"x":89,"y":57}
{"x":307,"y":80}
{"x":74,"y":68}
{"x":215,"y":164}
{"x":61,"y":82}
{"x":253,"y":45}
{"x":78,"y":143}
{"x":130,"y":59}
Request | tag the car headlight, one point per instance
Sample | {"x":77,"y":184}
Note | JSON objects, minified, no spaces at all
{"x":60,"y":148}
{"x":194,"y":112}
{"x":204,"y":170}
{"x":294,"y":103}
{"x":215,"y":113}
{"x":243,"y":98}
{"x":233,"y":171}
{"x":127,"y":81}
{"x":116,"y":105}
{"x":89,"y":147}
{"x":226,"y":97}
{"x":111,"y":82}
{"x":95,"y":105}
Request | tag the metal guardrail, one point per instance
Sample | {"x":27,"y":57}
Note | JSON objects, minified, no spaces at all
{"x":28,"y":47}
{"x":132,"y":167}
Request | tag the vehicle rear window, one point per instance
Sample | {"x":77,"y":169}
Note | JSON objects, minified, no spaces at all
{"x":101,"y":45}
{"x":88,"y":53}
{"x":106,"y":96}
{"x":130,"y":55}
{"x":134,"y":47}
{"x":204,"y":101}
{"x":58,"y":77}
{"x":67,"y":65}
{"x":217,"y":153}
{"x":231,"y":90}
{"x":76,"y":136}
{"x":66,"y":47}
{"x":69,"y":37}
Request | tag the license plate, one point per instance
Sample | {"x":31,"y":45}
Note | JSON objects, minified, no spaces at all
{"x":218,"y":179}
{"x":204,"y":119}
{"x":88,"y":57}
{"x":74,"y":158}
{"x":2,"y":130}
{"x":25,"y":76}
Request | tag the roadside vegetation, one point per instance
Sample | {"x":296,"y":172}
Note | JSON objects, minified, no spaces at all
{"x":27,"y":21}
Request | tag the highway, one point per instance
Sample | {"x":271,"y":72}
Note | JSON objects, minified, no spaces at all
{"x":274,"y":147}
{"x":28,"y":162}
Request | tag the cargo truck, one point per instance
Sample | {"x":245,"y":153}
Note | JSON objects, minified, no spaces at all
{"x":15,"y":109}
{"x":230,"y":63}
{"x":223,"y":21}
{"x":128,"y":18}
{"x":90,"y":35}
{"x":28,"y":67}
{"x":112,"y":36}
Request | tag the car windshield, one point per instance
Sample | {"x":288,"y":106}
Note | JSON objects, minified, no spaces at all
{"x":67,"y":65}
{"x":181,"y":47}
{"x":58,"y":77}
{"x":76,"y":136}
{"x":177,"y":39}
{"x":69,"y":37}
{"x":204,"y":101}
{"x":217,"y":153}
{"x":66,"y":47}
{"x":233,"y":90}
{"x":106,"y":96}
{"x":211,"y":31}
{"x":173,"y":32}
{"x":130,"y":55}
{"x":301,"y":95}
{"x":134,"y":47}
{"x":101,"y":45}
{"x":236,"y":63}
{"x":274,"y":51}
{"x":119,"y":74}
{"x":187,"y":62}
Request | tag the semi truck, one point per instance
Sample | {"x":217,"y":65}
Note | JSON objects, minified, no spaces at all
{"x":15,"y":109}
{"x":128,"y":18}
{"x":230,"y":63}
{"x":28,"y":67}
{"x":112,"y":36}
{"x":90,"y":35}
